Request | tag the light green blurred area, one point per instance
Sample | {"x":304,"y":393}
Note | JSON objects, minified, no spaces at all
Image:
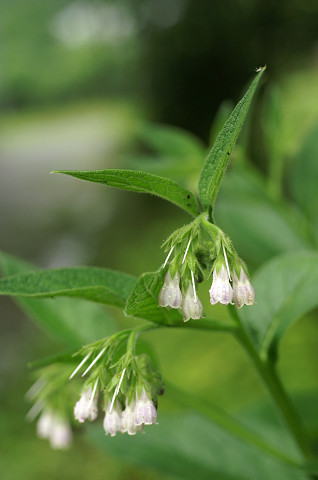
{"x":87,"y":111}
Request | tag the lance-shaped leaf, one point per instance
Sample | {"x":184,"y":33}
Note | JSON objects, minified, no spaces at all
{"x":73,"y":322}
{"x":286,"y":289}
{"x":91,"y":283}
{"x":218,"y":158}
{"x":141,"y":182}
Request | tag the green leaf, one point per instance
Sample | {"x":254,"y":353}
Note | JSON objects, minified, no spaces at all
{"x":286,"y":289}
{"x":75,"y":323}
{"x":217,"y":160}
{"x":259,"y":227}
{"x":172,"y":142}
{"x":142,"y":182}
{"x":304,"y":173}
{"x":188,"y":446}
{"x":90,"y":283}
{"x":143,"y":301}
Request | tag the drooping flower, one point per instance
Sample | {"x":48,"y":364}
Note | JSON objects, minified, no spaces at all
{"x":191,"y":305}
{"x":86,"y":406}
{"x":54,"y":428}
{"x":221,"y":290}
{"x":113,"y":421}
{"x":145,"y":411}
{"x":170,"y":294}
{"x":128,"y":422}
{"x":243,"y":292}
{"x":61,"y":434}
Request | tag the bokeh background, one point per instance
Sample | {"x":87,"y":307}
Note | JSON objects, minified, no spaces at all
{"x":84,"y":85}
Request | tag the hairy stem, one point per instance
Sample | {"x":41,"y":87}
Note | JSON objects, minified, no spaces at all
{"x":274,"y":387}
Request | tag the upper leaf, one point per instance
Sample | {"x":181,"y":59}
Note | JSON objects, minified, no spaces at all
{"x":218,"y":158}
{"x":91,"y":283}
{"x":142,"y":182}
{"x":286,"y":289}
{"x":76,"y":323}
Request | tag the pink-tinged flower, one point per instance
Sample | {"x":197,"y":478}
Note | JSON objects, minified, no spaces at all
{"x":86,"y":406}
{"x":170,"y":294}
{"x":243,"y":292}
{"x":221,"y":290}
{"x":191,"y":305}
{"x":145,"y":411}
{"x":128,"y":422}
{"x":55,"y":429}
{"x":112,"y":421}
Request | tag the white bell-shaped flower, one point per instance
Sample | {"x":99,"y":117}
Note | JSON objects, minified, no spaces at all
{"x":61,"y":434}
{"x":44,"y":424}
{"x":221,"y":290}
{"x":86,"y":406}
{"x":54,"y":428}
{"x":113,"y":421}
{"x":243,"y":292}
{"x":191,"y":305}
{"x":170,"y":294}
{"x":145,"y":411}
{"x":128,"y":422}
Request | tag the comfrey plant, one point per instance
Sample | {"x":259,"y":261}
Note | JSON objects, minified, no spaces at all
{"x":111,"y":381}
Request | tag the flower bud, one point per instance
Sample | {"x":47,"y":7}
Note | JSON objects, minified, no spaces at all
{"x":191,"y":305}
{"x":145,"y":411}
{"x":243,"y":292}
{"x":112,"y":421}
{"x":221,"y":290}
{"x":170,"y":294}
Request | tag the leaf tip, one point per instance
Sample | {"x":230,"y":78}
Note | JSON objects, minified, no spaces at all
{"x":260,"y":69}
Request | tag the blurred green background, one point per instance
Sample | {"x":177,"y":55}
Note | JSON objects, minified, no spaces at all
{"x":83,"y":86}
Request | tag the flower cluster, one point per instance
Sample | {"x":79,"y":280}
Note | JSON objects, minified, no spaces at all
{"x":124,"y":386}
{"x":192,"y":254}
{"x":127,"y":395}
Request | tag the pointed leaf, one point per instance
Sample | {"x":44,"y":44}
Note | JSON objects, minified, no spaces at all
{"x":76,"y":323}
{"x":217,"y":160}
{"x":141,"y":182}
{"x":286,"y":289}
{"x":91,"y":283}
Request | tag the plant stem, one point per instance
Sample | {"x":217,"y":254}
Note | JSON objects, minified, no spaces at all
{"x":270,"y":380}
